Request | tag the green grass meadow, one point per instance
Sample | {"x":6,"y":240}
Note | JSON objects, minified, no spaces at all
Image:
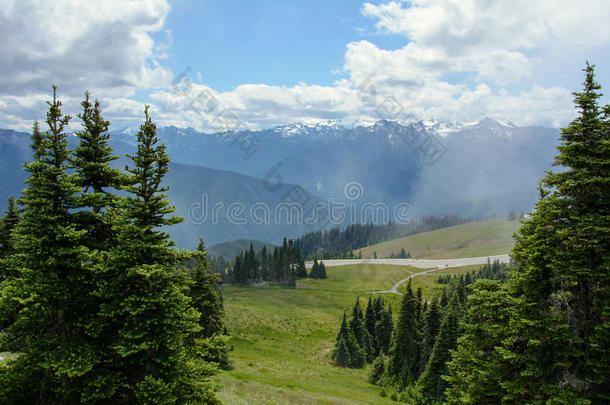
{"x":283,"y":339}
{"x":473,"y":239}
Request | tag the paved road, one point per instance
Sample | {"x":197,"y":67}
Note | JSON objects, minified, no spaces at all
{"x":419,"y":263}
{"x":432,"y":265}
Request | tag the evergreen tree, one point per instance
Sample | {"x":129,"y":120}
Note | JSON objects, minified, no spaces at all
{"x":42,"y":299}
{"x":313,"y":273}
{"x":205,"y":294}
{"x":431,"y":384}
{"x":322,"y":270}
{"x":206,"y":298}
{"x":352,"y":355}
{"x":431,"y":325}
{"x":404,"y":354}
{"x":444,"y":300}
{"x":318,"y":270}
{"x":383,"y":331}
{"x":361,"y":333}
{"x":152,"y":351}
{"x":301,"y":271}
{"x":477,"y":367}
{"x":8,"y":224}
{"x":341,"y":355}
{"x":36,"y":141}
{"x":238,"y":273}
{"x":562,"y":255}
{"x":91,"y":161}
{"x":403,"y":254}
{"x":370,"y":319}
{"x":377,"y":370}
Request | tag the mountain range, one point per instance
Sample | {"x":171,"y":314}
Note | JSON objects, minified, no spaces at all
{"x":425,"y":167}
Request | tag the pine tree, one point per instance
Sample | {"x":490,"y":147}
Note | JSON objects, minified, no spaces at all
{"x":313,"y":273}
{"x":562,"y":255}
{"x":477,"y":367}
{"x":238,"y":273}
{"x":431,"y":384}
{"x":36,"y":141}
{"x":206,"y":299}
{"x":377,"y":370}
{"x":91,"y":161}
{"x":370,"y":319}
{"x":322,"y":270}
{"x":383,"y":330}
{"x":352,"y":355}
{"x":8,"y":224}
{"x":404,"y":354}
{"x":204,"y":293}
{"x":42,"y":298}
{"x":341,"y":355}
{"x":361,"y":333}
{"x":151,"y":350}
{"x":301,"y":269}
{"x":431,"y":325}
{"x":265,"y":264}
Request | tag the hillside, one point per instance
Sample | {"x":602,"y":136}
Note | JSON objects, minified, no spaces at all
{"x":473,"y":239}
{"x":204,"y":197}
{"x":232,"y":248}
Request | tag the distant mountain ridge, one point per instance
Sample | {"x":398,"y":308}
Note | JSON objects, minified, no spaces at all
{"x":480,"y":168}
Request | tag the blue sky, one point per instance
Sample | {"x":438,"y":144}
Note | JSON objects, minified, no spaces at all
{"x":269,"y":63}
{"x":274,"y":42}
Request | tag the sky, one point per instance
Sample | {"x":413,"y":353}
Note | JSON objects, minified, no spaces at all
{"x":226,"y":65}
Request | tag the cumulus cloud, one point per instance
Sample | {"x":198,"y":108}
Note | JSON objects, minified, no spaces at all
{"x":104,"y":46}
{"x":463,"y":60}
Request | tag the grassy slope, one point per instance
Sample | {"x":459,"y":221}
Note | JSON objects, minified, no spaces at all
{"x":283,"y":339}
{"x":230,"y":249}
{"x":480,"y":238}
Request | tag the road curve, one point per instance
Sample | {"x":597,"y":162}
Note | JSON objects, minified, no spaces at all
{"x":432,"y":265}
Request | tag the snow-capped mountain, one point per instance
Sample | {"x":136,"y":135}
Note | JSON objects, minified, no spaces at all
{"x":469,"y":168}
{"x":391,"y":160}
{"x":313,"y":130}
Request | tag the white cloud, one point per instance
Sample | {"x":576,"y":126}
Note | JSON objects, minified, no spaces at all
{"x":103,"y":46}
{"x":464,"y":60}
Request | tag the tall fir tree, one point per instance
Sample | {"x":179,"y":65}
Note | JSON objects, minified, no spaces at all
{"x":563,"y":255}
{"x":370,"y":319}
{"x":403,"y":366}
{"x":347,"y":352}
{"x":98,"y":180}
{"x":42,"y":298}
{"x":431,"y":325}
{"x":207,"y":299}
{"x":545,"y":338}
{"x":8,"y":224}
{"x":151,"y":349}
{"x":361,"y":333}
{"x":477,"y":367}
{"x":384,"y":328}
{"x":431,"y":383}
{"x":341,"y":355}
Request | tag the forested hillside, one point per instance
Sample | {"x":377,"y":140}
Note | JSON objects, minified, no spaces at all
{"x":534,"y":333}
